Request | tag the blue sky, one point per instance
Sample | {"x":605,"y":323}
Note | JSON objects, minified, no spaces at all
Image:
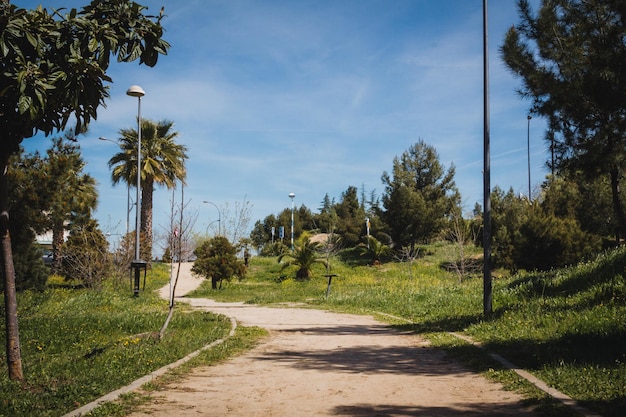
{"x":312,"y":97}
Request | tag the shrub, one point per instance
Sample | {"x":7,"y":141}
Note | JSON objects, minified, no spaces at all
{"x":85,"y":256}
{"x":546,"y":241}
{"x":217,"y":259}
{"x":30,"y":271}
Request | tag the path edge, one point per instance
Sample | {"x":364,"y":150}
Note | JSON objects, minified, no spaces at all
{"x":114,"y":395}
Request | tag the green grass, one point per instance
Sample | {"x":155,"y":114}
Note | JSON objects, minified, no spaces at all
{"x":78,"y":345}
{"x":567,"y":326}
{"x":244,"y":339}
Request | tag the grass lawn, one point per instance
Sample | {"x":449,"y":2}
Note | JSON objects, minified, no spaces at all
{"x":566,"y":326}
{"x":78,"y":344}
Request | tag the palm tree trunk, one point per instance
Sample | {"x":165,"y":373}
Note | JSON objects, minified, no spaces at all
{"x":147,"y":190}
{"x":14,"y":357}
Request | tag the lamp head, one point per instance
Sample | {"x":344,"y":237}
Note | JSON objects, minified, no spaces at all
{"x":135,"y":91}
{"x":291,"y":195}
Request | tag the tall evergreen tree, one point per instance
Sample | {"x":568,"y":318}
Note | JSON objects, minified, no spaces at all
{"x":27,"y":202}
{"x":327,"y":217}
{"x":350,"y":217}
{"x":570,"y":57}
{"x":419,"y":195}
{"x":70,"y":193}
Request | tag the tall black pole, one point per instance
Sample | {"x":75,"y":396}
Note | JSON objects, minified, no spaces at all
{"x":528,"y":150}
{"x":487,"y":286}
{"x":137,"y":264}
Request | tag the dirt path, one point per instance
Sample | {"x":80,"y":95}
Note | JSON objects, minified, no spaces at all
{"x":317,"y":363}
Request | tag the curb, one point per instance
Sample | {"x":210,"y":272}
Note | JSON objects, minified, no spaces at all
{"x":538,"y":383}
{"x":112,"y":396}
{"x":553,"y":392}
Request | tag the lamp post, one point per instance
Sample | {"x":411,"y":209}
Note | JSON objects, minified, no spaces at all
{"x":128,"y":205}
{"x":209,"y":225}
{"x":528,"y":153}
{"x":292,"y":195}
{"x":137,"y":264}
{"x":487,"y":278}
{"x":219,"y":218}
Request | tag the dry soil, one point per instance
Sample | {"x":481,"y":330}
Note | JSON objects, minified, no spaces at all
{"x":317,"y":363}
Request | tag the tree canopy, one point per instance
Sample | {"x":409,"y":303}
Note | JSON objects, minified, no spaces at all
{"x":217,"y":260}
{"x":52,"y":69}
{"x":162,"y":163}
{"x":570,"y":57}
{"x":419,"y":195}
{"x":54,"y":65}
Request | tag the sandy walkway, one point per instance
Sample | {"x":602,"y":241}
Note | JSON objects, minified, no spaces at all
{"x":317,"y":363}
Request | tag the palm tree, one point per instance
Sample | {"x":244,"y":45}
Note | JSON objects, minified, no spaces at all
{"x":375,"y":249}
{"x":162,"y":163}
{"x":304,"y":255}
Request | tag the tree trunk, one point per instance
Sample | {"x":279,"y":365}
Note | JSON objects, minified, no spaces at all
{"x":14,"y":357}
{"x":147,"y":189}
{"x":57,"y":240}
{"x":618,"y":210}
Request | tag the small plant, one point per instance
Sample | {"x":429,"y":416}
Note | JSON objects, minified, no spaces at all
{"x":375,"y":250}
{"x":408,"y":255}
{"x":304,"y":255}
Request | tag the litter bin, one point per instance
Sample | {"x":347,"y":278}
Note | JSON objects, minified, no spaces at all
{"x":136,"y":266}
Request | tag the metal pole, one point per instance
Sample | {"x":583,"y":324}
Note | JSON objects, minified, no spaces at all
{"x":127,"y":208}
{"x":487,"y":284}
{"x":138,"y":202}
{"x":219,"y":218}
{"x":292,"y":195}
{"x":528,"y":151}
{"x":137,"y":264}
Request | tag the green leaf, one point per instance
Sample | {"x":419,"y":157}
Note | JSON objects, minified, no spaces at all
{"x":136,"y":51}
{"x":94,"y":44}
{"x":24,"y":104}
{"x":4,"y":47}
{"x":31,"y":39}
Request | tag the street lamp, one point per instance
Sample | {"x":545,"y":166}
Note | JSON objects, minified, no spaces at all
{"x":137,"y":264}
{"x":528,"y":152}
{"x":128,"y":205}
{"x":292,"y":195}
{"x":219,"y":218}
{"x":487,"y":278}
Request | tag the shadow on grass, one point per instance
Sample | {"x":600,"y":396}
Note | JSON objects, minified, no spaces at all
{"x":576,"y":349}
{"x":368,"y":410}
{"x":606,"y":269}
{"x":353,"y":257}
{"x":450,"y":324}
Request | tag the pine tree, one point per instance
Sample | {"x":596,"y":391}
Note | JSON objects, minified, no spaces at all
{"x":419,"y":195}
{"x":570,"y":57}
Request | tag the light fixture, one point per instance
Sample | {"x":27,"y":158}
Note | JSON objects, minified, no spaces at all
{"x":138,"y":264}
